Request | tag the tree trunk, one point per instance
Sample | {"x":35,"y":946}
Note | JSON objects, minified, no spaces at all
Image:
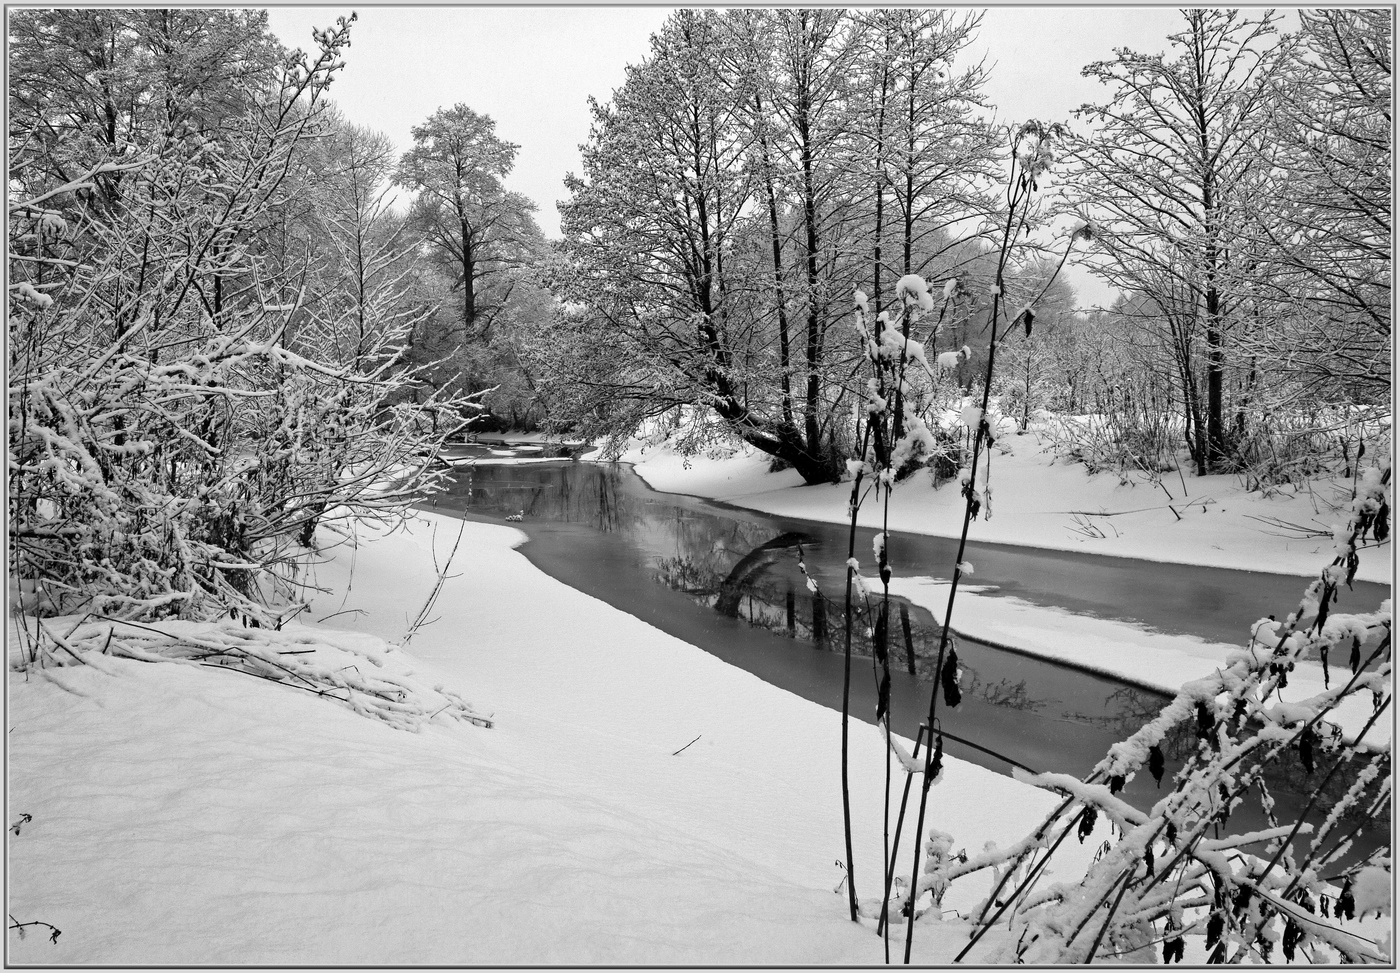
{"x":468,"y":282}
{"x":1216,"y":449}
{"x":784,"y":342}
{"x":802,"y":122}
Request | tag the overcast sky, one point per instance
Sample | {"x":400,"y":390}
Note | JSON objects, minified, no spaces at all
{"x":533,"y":68}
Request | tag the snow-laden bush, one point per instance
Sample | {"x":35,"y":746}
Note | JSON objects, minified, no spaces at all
{"x":1130,"y":437}
{"x":1176,"y":869}
{"x":170,"y":450}
{"x":1288,"y":447}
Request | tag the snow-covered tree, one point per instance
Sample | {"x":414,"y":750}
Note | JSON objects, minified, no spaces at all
{"x":1166,"y":168}
{"x":1031,"y":370}
{"x":938,"y":158}
{"x":89,"y":86}
{"x":648,"y":266}
{"x":1326,"y":223}
{"x":169,"y":445}
{"x":475,"y":229}
{"x":730,"y":201}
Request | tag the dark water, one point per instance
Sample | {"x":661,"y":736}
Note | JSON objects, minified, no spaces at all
{"x":729,"y":581}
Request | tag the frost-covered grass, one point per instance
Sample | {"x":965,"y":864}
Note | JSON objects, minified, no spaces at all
{"x":183,"y":814}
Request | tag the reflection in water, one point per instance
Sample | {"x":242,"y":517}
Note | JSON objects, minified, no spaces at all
{"x":1128,"y":708}
{"x":742,"y":568}
{"x":1004,"y":692}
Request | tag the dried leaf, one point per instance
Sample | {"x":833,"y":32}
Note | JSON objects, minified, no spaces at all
{"x":1214,"y":928}
{"x":1173,"y":948}
{"x":1292,"y":935}
{"x":1025,"y":319}
{"x":1346,"y":903}
{"x":1242,"y":897}
{"x":1087,"y":821}
{"x":952,"y":692}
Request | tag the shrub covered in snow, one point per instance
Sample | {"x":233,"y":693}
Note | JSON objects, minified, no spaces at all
{"x":1175,"y":870}
{"x":172,"y":444}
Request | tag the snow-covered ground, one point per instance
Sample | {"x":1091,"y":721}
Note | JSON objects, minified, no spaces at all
{"x":637,"y":801}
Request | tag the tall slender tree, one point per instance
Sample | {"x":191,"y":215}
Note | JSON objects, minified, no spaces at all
{"x":815,"y":54}
{"x":651,"y":238}
{"x":942,"y":155}
{"x":1164,"y":168}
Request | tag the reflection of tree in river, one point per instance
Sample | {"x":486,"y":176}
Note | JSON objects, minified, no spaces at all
{"x":1004,"y":692}
{"x":553,"y":493}
{"x":718,"y":542}
{"x":1128,"y":708}
{"x":775,"y":606}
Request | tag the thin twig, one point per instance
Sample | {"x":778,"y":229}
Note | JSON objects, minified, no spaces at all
{"x":678,"y":752}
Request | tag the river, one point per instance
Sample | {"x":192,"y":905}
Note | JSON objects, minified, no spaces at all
{"x":728,"y":580}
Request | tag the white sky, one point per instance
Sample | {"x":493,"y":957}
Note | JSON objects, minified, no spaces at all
{"x":532,"y":68}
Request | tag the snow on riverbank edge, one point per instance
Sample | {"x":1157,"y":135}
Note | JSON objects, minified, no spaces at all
{"x":636,"y":802}
{"x":1040,"y":502}
{"x":1026,"y":483}
{"x":1155,"y":660}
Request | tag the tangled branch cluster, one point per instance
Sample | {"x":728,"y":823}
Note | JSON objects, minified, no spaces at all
{"x":177,"y":427}
{"x":367,"y":679}
{"x":1170,"y":865}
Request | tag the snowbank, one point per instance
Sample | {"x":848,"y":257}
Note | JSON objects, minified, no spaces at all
{"x":1038,"y":501}
{"x":636,"y":801}
{"x":744,"y":473}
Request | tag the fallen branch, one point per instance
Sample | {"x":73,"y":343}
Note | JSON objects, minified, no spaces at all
{"x":1140,"y":510}
{"x":421,"y":620}
{"x":296,"y":658}
{"x":20,"y":926}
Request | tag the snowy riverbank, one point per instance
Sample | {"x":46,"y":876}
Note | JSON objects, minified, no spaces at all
{"x":1034,"y":497}
{"x":637,"y":801}
{"x":1040,"y":501}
